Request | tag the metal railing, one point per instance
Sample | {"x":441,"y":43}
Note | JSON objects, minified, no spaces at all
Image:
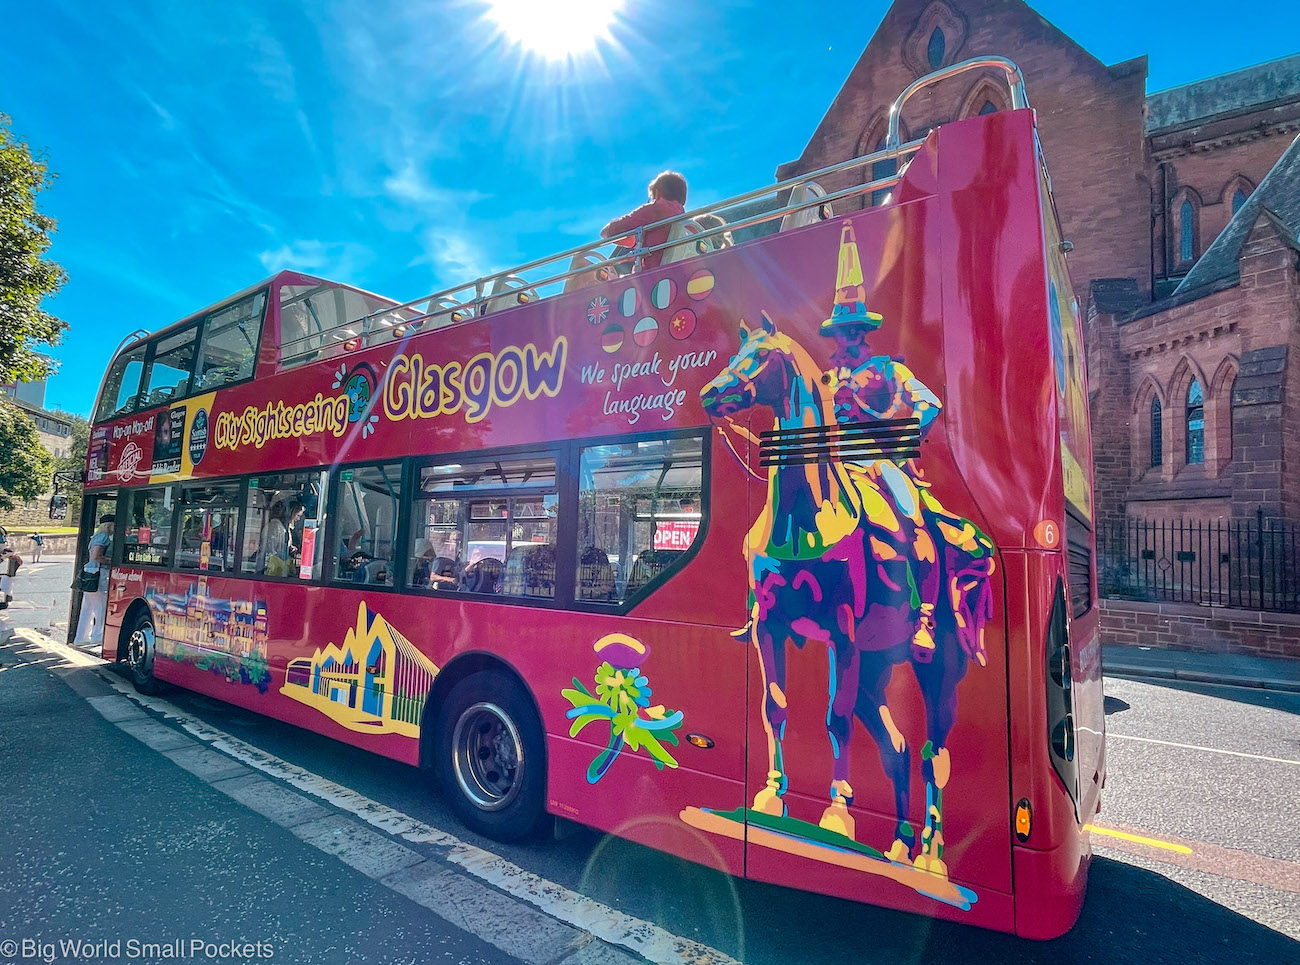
{"x":549,"y":275}
{"x":1251,"y":564}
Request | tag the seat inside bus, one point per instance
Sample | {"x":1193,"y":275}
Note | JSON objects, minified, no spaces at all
{"x":805,"y":193}
{"x":682,"y":232}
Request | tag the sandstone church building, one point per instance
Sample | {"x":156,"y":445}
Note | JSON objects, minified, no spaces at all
{"x":1183,"y":206}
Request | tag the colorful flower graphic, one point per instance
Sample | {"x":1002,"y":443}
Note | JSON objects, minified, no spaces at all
{"x":622,"y":693}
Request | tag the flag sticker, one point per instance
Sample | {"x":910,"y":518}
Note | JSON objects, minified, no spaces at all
{"x":700,"y":285}
{"x":598,"y":310}
{"x":645,"y":331}
{"x":683,"y":324}
{"x":611,"y":340}
{"x":661,"y":296}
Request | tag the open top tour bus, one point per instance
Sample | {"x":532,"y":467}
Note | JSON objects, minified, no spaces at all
{"x":777,"y":556}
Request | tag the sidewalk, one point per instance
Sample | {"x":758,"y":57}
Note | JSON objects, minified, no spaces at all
{"x":1237,"y":670}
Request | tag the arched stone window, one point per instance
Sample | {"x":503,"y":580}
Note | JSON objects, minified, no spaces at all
{"x":986,"y":96}
{"x":1218,"y":416}
{"x":1186,"y":231}
{"x":1238,"y":199}
{"x":1157,"y":434}
{"x":1147,"y":443}
{"x":936,"y":48}
{"x":936,"y":38}
{"x":1195,"y":423}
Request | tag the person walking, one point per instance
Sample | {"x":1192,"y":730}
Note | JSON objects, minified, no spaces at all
{"x":39,"y":542}
{"x":94,"y":603}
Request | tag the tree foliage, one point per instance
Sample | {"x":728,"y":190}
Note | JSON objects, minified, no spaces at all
{"x":74,"y":462}
{"x":27,"y":277}
{"x":25,"y":465}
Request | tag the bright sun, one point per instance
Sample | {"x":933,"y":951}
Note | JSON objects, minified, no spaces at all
{"x":555,"y":29}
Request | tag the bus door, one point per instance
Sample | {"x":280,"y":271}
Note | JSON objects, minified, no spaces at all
{"x":93,"y":506}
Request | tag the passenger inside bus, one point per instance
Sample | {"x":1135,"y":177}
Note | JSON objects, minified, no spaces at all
{"x":431,"y":569}
{"x":367,"y":508}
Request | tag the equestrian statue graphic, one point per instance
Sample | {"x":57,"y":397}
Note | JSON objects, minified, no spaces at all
{"x":852,"y":550}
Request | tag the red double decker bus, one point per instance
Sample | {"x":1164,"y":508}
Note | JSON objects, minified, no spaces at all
{"x":777,"y":556}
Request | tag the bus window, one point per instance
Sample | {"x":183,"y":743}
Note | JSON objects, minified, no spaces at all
{"x":148,"y":535}
{"x":209,"y":525}
{"x":367,"y":501}
{"x":169,"y":375}
{"x":639,"y":511}
{"x":314,"y":320}
{"x":229,"y":347}
{"x":283,"y":524}
{"x":123,"y":384}
{"x":487,"y":526}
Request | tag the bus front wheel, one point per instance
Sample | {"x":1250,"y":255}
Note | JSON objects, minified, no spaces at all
{"x":490,"y":762}
{"x":140,"y":654}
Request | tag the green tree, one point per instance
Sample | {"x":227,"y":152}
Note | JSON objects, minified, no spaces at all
{"x":73,"y":462}
{"x":25,"y":465}
{"x":27,"y":277}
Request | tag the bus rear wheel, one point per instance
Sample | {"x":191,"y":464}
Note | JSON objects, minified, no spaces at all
{"x":140,"y":654}
{"x":490,"y":762}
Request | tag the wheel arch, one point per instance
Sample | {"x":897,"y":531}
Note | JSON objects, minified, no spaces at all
{"x":137,"y":607}
{"x":463,"y":666}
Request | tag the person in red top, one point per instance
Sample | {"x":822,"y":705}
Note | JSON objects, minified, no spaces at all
{"x":667,"y":198}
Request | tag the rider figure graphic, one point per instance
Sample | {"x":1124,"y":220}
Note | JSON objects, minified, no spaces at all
{"x":871,"y":388}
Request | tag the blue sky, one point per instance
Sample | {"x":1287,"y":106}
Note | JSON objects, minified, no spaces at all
{"x":406,"y":146}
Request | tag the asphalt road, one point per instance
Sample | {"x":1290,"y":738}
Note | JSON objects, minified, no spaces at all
{"x":1207,"y":773}
{"x":41,"y":595}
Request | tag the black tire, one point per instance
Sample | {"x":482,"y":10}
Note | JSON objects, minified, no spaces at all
{"x":140,"y":655}
{"x":491,"y":756}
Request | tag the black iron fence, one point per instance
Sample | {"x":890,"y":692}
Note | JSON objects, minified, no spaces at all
{"x":1251,"y":564}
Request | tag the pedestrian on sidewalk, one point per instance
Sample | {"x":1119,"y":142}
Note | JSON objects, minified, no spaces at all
{"x":39,"y":540}
{"x":94,"y":602}
{"x":9,"y":563}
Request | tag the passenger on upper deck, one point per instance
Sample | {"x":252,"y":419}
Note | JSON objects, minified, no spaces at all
{"x":667,"y":198}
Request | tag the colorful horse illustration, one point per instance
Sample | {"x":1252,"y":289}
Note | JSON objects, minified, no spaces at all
{"x":830,"y":564}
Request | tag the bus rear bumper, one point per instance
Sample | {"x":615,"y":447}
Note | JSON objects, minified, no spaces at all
{"x":1050,"y":887}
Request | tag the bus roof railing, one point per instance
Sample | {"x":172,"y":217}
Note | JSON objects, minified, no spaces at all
{"x":477,"y":298}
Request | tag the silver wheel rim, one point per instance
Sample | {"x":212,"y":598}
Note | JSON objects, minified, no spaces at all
{"x":139,"y":650}
{"x":487,"y":756}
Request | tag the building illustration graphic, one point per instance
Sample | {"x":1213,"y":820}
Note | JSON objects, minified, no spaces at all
{"x":375,"y":683}
{"x":227,"y":637}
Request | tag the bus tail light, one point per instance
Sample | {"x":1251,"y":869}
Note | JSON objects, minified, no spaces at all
{"x":1060,"y":696}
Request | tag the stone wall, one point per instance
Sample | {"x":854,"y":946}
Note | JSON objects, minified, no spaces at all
{"x":1183,"y":626}
{"x":1242,"y":344}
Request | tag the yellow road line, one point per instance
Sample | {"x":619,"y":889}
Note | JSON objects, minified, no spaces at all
{"x":1138,"y":839}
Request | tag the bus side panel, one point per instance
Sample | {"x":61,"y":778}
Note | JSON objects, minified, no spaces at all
{"x":1051,"y":864}
{"x":332,"y":660}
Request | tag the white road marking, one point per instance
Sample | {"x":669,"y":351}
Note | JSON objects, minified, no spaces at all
{"x":1198,"y":747}
{"x":641,"y":937}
